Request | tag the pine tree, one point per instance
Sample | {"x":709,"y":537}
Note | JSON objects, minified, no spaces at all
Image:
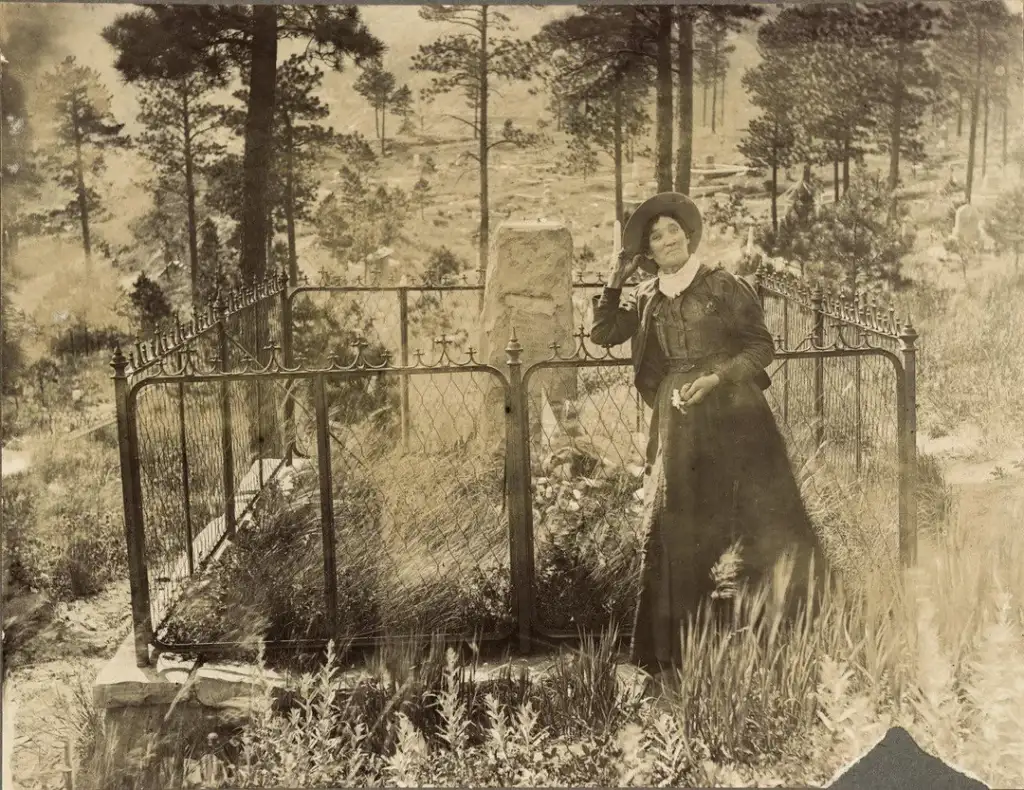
{"x":83,"y":128}
{"x":361,"y":217}
{"x":180,"y":123}
{"x":164,"y":40}
{"x":600,"y":82}
{"x":19,"y":174}
{"x":301,"y":142}
{"x":902,"y":32}
{"x":1006,"y":224}
{"x":380,"y":88}
{"x":471,"y":63}
{"x":975,"y":35}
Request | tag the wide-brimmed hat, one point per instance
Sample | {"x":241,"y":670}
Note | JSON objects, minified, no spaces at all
{"x":674,"y":204}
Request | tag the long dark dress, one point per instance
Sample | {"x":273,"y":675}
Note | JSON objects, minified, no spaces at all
{"x":719,"y":473}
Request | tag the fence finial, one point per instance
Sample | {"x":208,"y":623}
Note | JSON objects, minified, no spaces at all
{"x":908,"y":334}
{"x":513,"y":349}
{"x":118,"y":361}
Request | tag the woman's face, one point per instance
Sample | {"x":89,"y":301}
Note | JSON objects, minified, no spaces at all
{"x":668,"y":244}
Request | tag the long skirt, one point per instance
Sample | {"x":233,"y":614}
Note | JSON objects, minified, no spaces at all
{"x":720,"y":477}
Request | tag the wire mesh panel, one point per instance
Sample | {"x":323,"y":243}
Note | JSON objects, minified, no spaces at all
{"x":843,"y":436}
{"x":789,"y":320}
{"x":421,"y":530}
{"x":181,"y":473}
{"x":587,"y":475}
{"x":373,"y":531}
{"x":399,"y":320}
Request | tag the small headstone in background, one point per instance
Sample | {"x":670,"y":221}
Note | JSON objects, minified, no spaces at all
{"x":709,"y":160}
{"x":967,"y":226}
{"x":416,"y":161}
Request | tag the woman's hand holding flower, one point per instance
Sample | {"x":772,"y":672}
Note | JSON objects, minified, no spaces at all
{"x":694,"y":392}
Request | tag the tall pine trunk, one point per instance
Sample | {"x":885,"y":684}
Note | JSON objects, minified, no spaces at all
{"x":846,"y":163}
{"x":775,"y":193}
{"x":704,"y":108}
{"x":259,"y":124}
{"x":617,"y":154}
{"x":190,"y":196}
{"x":684,"y":62}
{"x":959,"y":114}
{"x":721,"y":100}
{"x":896,"y":122}
{"x":485,"y":214}
{"x":1006,"y":110}
{"x":975,"y":111}
{"x":81,"y":192}
{"x":289,"y":205}
{"x":984,"y":137}
{"x":664,"y":100}
{"x":835,"y":177}
{"x":714,"y":104}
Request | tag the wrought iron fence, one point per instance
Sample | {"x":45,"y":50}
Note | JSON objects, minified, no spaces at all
{"x":417,"y":494}
{"x":189,"y":453}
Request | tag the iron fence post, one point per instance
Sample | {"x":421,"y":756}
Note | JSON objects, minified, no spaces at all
{"x":403,"y":326}
{"x":858,"y":401}
{"x":227,"y":447}
{"x":785,"y":367}
{"x":818,"y":341}
{"x":323,"y":451}
{"x":287,"y":354}
{"x":185,"y":481}
{"x":518,"y":483}
{"x":135,"y":539}
{"x":908,"y":447}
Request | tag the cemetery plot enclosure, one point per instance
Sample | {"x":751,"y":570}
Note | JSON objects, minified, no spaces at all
{"x":296,"y":488}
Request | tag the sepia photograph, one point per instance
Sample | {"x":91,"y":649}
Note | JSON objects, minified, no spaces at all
{"x":493,"y":395}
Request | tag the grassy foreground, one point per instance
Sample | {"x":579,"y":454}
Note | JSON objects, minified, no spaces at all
{"x":761,"y":701}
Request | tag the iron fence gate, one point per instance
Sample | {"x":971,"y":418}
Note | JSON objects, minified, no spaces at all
{"x":474,"y":490}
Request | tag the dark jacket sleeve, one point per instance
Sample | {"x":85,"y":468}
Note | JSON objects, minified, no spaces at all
{"x":616,"y":319}
{"x":746,"y":319}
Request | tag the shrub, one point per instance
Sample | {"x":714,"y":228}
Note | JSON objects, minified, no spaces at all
{"x":82,"y":339}
{"x":63,"y":521}
{"x":588,"y":550}
{"x":322,"y":335}
{"x":149,"y":304}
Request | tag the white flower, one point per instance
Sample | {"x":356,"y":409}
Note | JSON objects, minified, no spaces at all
{"x":677,"y":401}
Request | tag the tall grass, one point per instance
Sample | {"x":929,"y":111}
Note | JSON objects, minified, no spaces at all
{"x":971,"y":361}
{"x":62,"y":521}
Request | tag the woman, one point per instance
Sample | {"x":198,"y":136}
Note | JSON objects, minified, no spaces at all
{"x":718,"y":472}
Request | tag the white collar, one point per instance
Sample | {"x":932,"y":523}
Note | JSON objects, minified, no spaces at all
{"x":674,"y":284}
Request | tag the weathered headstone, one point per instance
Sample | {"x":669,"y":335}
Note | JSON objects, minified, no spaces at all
{"x":709,"y":160}
{"x":528,"y":288}
{"x":416,"y":161}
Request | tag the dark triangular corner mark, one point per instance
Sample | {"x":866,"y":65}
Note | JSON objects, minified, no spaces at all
{"x":897,"y":762}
